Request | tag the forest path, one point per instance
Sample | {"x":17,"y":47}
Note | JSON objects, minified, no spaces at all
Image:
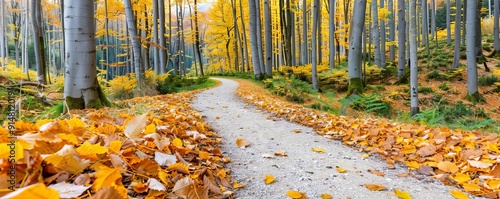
{"x":302,"y":170}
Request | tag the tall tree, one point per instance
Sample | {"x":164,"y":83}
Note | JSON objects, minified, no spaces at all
{"x":376,"y":34}
{"x":2,"y":33}
{"x":413,"y":60}
{"x":253,"y":39}
{"x":197,"y":37}
{"x":314,"y":42}
{"x":456,"y":55}
{"x":245,"y":43}
{"x":136,"y":44}
{"x":401,"y":39}
{"x":355,"y":47}
{"x":38,"y":42}
{"x":269,"y":41}
{"x":156,"y":55}
{"x":496,"y":29}
{"x":304,"y":48}
{"x":425,"y":26}
{"x":383,"y":37}
{"x":392,"y":30}
{"x":259,"y":39}
{"x":81,"y":89}
{"x":163,"y":55}
{"x":448,"y":19}
{"x":331,"y":37}
{"x":471,"y":52}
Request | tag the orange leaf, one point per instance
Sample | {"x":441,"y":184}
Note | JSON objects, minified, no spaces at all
{"x":177,"y":142}
{"x":294,"y":194}
{"x":378,"y":173}
{"x":375,"y":187}
{"x":458,"y":194}
{"x":204,"y":155}
{"x":412,"y":165}
{"x":471,"y":187}
{"x":461,"y":178}
{"x":35,"y":191}
{"x":269,"y":179}
{"x":408,"y":149}
{"x":447,"y":166}
{"x":237,"y":186}
{"x":242,"y":143}
{"x":280,"y":153}
{"x":106,"y":177}
{"x":326,"y":196}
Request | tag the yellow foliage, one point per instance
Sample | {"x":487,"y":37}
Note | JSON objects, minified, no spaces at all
{"x":14,"y":73}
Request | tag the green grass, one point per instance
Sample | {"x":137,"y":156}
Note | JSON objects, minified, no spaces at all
{"x":207,"y":84}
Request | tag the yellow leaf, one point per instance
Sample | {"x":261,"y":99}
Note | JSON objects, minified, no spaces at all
{"x":222,"y":173}
{"x":341,"y":170}
{"x":242,"y":143}
{"x":364,"y":156}
{"x":412,"y":165}
{"x":296,"y":131}
{"x":461,"y":178}
{"x":375,"y":187}
{"x":280,"y":153}
{"x":71,"y":138}
{"x":177,"y":142}
{"x":408,"y":149}
{"x":294,"y":194}
{"x":269,"y":179}
{"x":68,"y":163}
{"x":237,"y":186}
{"x":35,"y":191}
{"x":204,"y":155}
{"x":163,"y":176}
{"x":447,"y":166}
{"x":492,"y":147}
{"x":115,"y":146}
{"x":402,"y":194}
{"x":471,"y":187}
{"x":326,"y":196}
{"x":106,"y":177}
{"x":90,"y":151}
{"x":319,"y":150}
{"x":458,"y":194}
{"x":151,"y":128}
{"x":7,"y":148}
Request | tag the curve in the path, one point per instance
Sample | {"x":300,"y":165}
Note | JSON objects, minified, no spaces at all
{"x":302,"y":170}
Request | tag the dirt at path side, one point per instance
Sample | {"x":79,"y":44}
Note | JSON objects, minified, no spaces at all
{"x":302,"y":170}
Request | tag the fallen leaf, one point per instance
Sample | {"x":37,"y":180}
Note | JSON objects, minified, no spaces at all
{"x":267,"y":155}
{"x":269,"y":179}
{"x":403,"y":174}
{"x":242,"y":143}
{"x":408,"y":149}
{"x":297,"y":130}
{"x":412,"y":165}
{"x":375,"y":187}
{"x":135,"y":126}
{"x":106,"y":177}
{"x":139,"y":187}
{"x":318,"y":150}
{"x":471,"y":187}
{"x":154,"y":184}
{"x":204,"y":155}
{"x":326,"y":196}
{"x":90,"y":151}
{"x":183,"y":186}
{"x":340,"y":170}
{"x":237,"y":186}
{"x":177,"y":142}
{"x":479,"y":164}
{"x":35,"y":191}
{"x":67,"y":190}
{"x":458,"y":194}
{"x":364,"y":156}
{"x":402,"y":194}
{"x":280,"y":153}
{"x":378,"y":173}
{"x":164,"y":159}
{"x":447,"y":166}
{"x":461,"y":178}
{"x":427,"y":150}
{"x":294,"y":194}
{"x":108,"y":193}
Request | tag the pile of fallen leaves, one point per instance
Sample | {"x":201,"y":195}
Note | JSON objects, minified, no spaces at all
{"x":469,"y":160}
{"x":155,"y":147}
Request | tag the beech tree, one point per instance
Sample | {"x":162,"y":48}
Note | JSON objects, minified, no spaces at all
{"x":413,"y":60}
{"x":81,"y":88}
{"x":136,"y":44}
{"x":471,"y":52}
{"x":253,"y":40}
{"x":314,"y":42}
{"x":355,"y":47}
{"x":456,"y":55}
{"x":401,"y":40}
{"x":38,"y":43}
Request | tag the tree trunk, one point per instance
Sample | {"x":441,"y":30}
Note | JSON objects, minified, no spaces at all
{"x":414,"y":109}
{"x":433,"y":20}
{"x":136,"y":44}
{"x":376,"y":34}
{"x":156,"y":54}
{"x":382,"y":38}
{"x":392,"y":30}
{"x":259,"y":40}
{"x":38,"y":43}
{"x":253,"y":40}
{"x":496,"y":29}
{"x":163,"y":55}
{"x":355,"y":47}
{"x":269,"y":41}
{"x":401,"y":40}
{"x":81,"y":89}
{"x":464,"y":22}
{"x":2,"y":34}
{"x":331,"y":38}
{"x":314,"y":42}
{"x":197,"y":38}
{"x":236,"y":36}
{"x":472,"y":88}
{"x":456,"y":55}
{"x":448,"y":19}
{"x":304,"y":48}
{"x":425,"y":26}
{"x":320,"y":42}
{"x":245,"y":43}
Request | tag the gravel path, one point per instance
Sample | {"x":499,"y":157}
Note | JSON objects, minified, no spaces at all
{"x":302,"y":170}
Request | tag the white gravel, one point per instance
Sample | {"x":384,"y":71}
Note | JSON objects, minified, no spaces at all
{"x":303,"y":170}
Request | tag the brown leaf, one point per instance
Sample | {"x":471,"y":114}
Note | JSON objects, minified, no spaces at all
{"x":183,"y":186}
{"x":375,"y":187}
{"x":427,"y":150}
{"x":242,"y":143}
{"x":378,"y":173}
{"x":426,"y":170}
{"x":107,"y":192}
{"x":211,"y":186}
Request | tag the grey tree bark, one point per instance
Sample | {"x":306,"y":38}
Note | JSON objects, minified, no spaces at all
{"x":383,"y":38}
{"x":38,"y":42}
{"x":376,"y":35}
{"x":456,"y":55}
{"x":245,"y":43}
{"x":472,"y":88}
{"x":162,"y":51}
{"x":414,"y":109}
{"x":269,"y":41}
{"x":197,"y":38}
{"x":425,"y":26}
{"x":156,"y":53}
{"x":304,"y":48}
{"x":314,"y":42}
{"x":401,"y":39}
{"x":448,"y":19}
{"x":464,"y":22}
{"x":81,"y":89}
{"x":259,"y":40}
{"x":392,"y":30}
{"x":331,"y":38}
{"x":2,"y":33}
{"x":433,"y":19}
{"x":496,"y":29}
{"x":355,"y":48}
{"x":136,"y":44}
{"x":253,"y":39}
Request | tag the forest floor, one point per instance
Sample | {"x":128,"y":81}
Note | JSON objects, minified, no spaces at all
{"x":313,"y":164}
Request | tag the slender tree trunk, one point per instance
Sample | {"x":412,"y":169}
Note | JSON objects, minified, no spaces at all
{"x":253,"y":39}
{"x":331,"y":38}
{"x":304,"y":47}
{"x":320,"y":42}
{"x":448,"y":19}
{"x":433,"y":19}
{"x":425,"y":26}
{"x":472,"y":88}
{"x":355,"y":48}
{"x":314,"y":42}
{"x":156,"y":54}
{"x":197,"y":38}
{"x":81,"y":89}
{"x":456,"y":56}
{"x":2,"y":34}
{"x":38,"y":41}
{"x":401,"y":39}
{"x":106,"y":26}
{"x":245,"y":43}
{"x":376,"y":34}
{"x":382,"y":38}
{"x":496,"y":29}
{"x":259,"y":39}
{"x":163,"y":55}
{"x":464,"y":22}
{"x":269,"y":41}
{"x":392,"y":31}
{"x":414,"y":109}
{"x":236,"y":36}
{"x":136,"y":44}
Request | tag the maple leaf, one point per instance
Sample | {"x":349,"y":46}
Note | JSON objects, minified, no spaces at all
{"x":269,"y":179}
{"x":242,"y":143}
{"x":90,"y":151}
{"x":135,"y":126}
{"x":106,"y":176}
{"x":35,"y":191}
